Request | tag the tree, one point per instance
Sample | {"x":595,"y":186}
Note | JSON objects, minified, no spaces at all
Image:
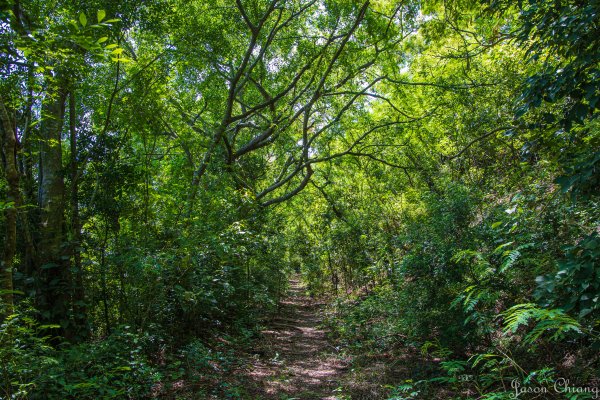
{"x":49,"y":57}
{"x":10,"y":207}
{"x":277,"y":90}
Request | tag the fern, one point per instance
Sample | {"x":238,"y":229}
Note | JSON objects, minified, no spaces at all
{"x":472,"y":295}
{"x":472,"y":298}
{"x":512,"y":256}
{"x":468,"y":256}
{"x":474,"y":260}
{"x":554,"y":320}
{"x":486,"y":359}
{"x":510,"y":259}
{"x":435,"y":349}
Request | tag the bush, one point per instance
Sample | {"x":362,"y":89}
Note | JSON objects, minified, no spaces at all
{"x":34,"y":367}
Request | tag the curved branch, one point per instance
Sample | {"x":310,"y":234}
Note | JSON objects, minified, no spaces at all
{"x":472,"y":142}
{"x":289,"y":195}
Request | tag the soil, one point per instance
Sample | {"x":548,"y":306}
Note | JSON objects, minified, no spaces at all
{"x":294,"y":359}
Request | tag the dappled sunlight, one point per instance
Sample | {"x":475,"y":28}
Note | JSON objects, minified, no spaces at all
{"x":298,"y":359}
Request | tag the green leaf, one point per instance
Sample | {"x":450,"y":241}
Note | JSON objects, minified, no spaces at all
{"x":4,"y":291}
{"x":503,"y":245}
{"x":101,"y":14}
{"x":117,"y":51}
{"x":6,"y":205}
{"x":102,"y":39}
{"x":82,"y":19}
{"x":49,"y":326}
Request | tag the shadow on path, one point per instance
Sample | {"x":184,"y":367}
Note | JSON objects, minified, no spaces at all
{"x":294,"y":358}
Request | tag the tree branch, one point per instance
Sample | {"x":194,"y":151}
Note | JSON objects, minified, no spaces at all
{"x":472,"y":142}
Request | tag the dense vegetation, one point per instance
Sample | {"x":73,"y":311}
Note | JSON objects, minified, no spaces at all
{"x":432,"y":167}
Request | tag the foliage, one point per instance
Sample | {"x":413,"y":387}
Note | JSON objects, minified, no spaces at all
{"x":574,"y":287}
{"x":555,"y":321}
{"x":430,"y":167}
{"x":34,"y":366}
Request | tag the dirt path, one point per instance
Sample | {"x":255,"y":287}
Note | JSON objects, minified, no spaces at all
{"x":294,"y":358}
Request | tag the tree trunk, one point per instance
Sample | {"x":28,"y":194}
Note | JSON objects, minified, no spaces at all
{"x":333,"y":272}
{"x":104,"y":283}
{"x":78,"y":294}
{"x":9,"y":148}
{"x":28,"y":197}
{"x":53,"y":266}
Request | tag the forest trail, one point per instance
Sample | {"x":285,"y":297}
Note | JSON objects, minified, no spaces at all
{"x":294,"y":359}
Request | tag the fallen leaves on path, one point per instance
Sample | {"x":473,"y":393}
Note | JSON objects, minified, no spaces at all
{"x":294,"y":358}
